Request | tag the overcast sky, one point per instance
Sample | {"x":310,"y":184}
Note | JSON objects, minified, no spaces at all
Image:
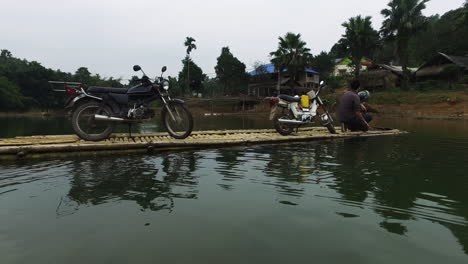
{"x":110,"y":36}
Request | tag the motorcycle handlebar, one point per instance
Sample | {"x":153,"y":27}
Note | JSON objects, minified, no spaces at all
{"x":319,"y":90}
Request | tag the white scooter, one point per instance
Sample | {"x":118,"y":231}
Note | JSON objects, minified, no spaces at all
{"x":298,"y":111}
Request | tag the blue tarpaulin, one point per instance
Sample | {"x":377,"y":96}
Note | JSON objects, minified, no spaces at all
{"x":270,"y":68}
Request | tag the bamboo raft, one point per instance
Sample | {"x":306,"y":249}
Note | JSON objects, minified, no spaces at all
{"x":33,"y":146}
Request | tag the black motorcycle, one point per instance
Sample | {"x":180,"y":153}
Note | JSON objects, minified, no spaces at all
{"x":95,"y":112}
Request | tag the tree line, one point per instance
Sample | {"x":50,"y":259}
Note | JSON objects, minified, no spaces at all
{"x":24,"y":84}
{"x":231,"y":76}
{"x":406,"y":38}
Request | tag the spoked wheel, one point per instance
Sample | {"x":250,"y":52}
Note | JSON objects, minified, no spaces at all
{"x":86,"y":127}
{"x":177,"y":119}
{"x":331,"y":128}
{"x":327,"y":121}
{"x":283,"y":129}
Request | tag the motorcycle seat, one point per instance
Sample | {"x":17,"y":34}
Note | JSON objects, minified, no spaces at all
{"x":288,"y":98}
{"x":97,"y":89}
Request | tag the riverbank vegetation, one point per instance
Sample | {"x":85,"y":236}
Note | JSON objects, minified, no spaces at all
{"x":406,"y":38}
{"x":24,"y":84}
{"x":398,"y":96}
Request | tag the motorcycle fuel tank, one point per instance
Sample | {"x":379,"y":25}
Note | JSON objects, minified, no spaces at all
{"x":139,"y":89}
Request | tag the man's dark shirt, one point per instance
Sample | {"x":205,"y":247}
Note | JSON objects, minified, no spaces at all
{"x":349,"y":105}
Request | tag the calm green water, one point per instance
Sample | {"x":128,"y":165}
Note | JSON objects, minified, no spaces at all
{"x":28,"y":126}
{"x":395,"y":199}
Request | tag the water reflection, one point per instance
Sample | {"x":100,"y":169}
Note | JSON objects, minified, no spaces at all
{"x":136,"y":179}
{"x":289,"y":167}
{"x":27,"y":126}
{"x":390,"y":179}
{"x":229,"y":163}
{"x":22,"y":126}
{"x":397,"y":228}
{"x":399,"y":185}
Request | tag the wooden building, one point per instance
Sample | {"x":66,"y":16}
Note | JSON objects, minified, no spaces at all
{"x":264,"y":81}
{"x":343,"y":66}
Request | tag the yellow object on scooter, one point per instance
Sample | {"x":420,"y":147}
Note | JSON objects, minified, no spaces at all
{"x":305,"y":101}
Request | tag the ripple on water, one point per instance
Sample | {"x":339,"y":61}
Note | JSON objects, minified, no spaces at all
{"x":13,"y":175}
{"x":434,"y":213}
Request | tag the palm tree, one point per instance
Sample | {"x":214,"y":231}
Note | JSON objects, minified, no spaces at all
{"x":292,"y":53}
{"x":279,"y":61}
{"x":189,"y":43}
{"x":403,"y":18}
{"x":360,"y":39}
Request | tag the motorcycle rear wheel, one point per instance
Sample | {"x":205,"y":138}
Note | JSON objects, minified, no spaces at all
{"x":283,"y":129}
{"x":179,"y":122}
{"x":86,"y":127}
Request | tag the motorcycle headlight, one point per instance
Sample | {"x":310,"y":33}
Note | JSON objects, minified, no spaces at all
{"x":165,"y":85}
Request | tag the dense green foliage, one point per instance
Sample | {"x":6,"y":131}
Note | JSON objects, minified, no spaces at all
{"x":403,"y":19}
{"x":195,"y":83}
{"x":406,"y":38}
{"x":231,"y":73}
{"x":174,"y":86}
{"x":443,"y":34}
{"x":464,"y":20}
{"x":436,"y":34}
{"x":10,"y":95}
{"x":292,"y":54}
{"x":409,"y":39}
{"x":24,"y":84}
{"x":212,"y":87}
{"x":323,"y":63}
{"x":359,"y":39}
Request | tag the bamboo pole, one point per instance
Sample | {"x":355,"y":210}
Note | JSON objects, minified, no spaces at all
{"x":25,"y":146}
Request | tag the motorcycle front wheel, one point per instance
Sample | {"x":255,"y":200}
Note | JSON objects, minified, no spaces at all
{"x":86,"y":127}
{"x":331,"y":128}
{"x":177,"y":120}
{"x":329,"y":122}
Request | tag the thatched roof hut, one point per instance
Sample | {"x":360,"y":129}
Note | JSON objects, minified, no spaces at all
{"x":381,"y":76}
{"x":437,"y":66}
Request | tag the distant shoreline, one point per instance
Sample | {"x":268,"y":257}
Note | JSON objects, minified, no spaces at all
{"x":199,"y":107}
{"x":32,"y":113}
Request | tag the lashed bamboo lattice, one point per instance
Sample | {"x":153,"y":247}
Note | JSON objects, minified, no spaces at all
{"x":33,"y":145}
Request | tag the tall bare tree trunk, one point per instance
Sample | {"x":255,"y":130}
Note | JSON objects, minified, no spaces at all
{"x":188,"y":76}
{"x":403,"y":53}
{"x":357,"y":69}
{"x":278,"y":87}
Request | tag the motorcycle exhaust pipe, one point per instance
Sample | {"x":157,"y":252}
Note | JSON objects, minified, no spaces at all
{"x":108,"y":118}
{"x":291,"y":122}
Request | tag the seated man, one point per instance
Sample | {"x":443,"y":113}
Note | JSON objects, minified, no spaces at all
{"x":350,"y":110}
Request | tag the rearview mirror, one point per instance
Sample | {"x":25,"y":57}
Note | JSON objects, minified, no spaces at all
{"x":164,"y":69}
{"x":136,"y":68}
